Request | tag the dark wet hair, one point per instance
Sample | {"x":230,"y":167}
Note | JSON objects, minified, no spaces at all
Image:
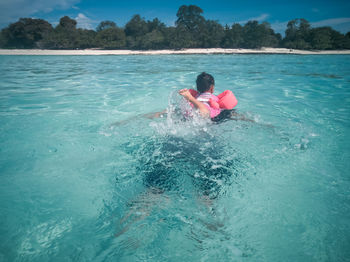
{"x":204,"y":82}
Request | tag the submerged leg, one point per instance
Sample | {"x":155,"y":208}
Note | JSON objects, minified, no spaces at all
{"x":148,"y":115}
{"x":140,"y":208}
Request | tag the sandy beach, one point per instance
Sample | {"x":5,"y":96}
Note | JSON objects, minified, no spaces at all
{"x":168,"y":52}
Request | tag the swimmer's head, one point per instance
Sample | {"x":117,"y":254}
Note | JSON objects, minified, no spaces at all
{"x":205,"y":83}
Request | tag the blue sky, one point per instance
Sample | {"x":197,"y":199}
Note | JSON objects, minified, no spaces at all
{"x":89,"y":13}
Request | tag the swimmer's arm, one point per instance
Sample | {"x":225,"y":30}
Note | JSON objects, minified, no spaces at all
{"x":156,"y":114}
{"x":149,"y":116}
{"x":237,"y":116}
{"x":203,"y":110}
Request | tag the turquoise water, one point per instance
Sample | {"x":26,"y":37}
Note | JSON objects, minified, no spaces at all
{"x":79,"y":163}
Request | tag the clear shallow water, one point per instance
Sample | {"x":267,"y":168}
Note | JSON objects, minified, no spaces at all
{"x":77,"y":163}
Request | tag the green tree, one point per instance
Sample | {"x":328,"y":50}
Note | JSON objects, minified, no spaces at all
{"x":2,"y":40}
{"x":111,"y":38}
{"x":135,"y":29}
{"x":339,"y":41}
{"x":190,"y":17}
{"x":85,"y":38}
{"x":67,"y":23}
{"x":155,"y":24}
{"x":268,"y":36}
{"x":105,"y":25}
{"x":183,"y":38}
{"x":192,"y":30}
{"x":298,"y":34}
{"x":64,"y":36}
{"x":191,"y":24}
{"x":156,"y":36}
{"x":321,"y":38}
{"x":177,"y":38}
{"x":233,"y":37}
{"x":153,"y":40}
{"x":347,"y":41}
{"x":210,"y":34}
{"x":252,"y":35}
{"x":25,"y":33}
{"x":137,"y":26}
{"x":257,"y":35}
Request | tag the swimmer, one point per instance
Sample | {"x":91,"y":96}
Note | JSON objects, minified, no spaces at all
{"x":205,"y":87}
{"x":201,"y":102}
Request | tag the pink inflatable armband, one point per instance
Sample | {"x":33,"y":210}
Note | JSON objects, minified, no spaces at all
{"x":226,"y":100}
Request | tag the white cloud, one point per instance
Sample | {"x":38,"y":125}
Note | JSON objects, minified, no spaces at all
{"x":331,"y":22}
{"x":12,"y":10}
{"x":84,"y":22}
{"x":341,"y":24}
{"x":259,"y":18}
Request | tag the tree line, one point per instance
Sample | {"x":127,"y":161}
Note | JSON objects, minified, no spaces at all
{"x":191,"y":30}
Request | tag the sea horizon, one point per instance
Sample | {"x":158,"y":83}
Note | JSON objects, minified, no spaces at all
{"x":98,"y":51}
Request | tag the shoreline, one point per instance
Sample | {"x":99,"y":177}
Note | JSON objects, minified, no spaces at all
{"x":171,"y":52}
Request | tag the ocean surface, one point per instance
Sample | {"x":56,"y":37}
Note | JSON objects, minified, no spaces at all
{"x":86,"y":176}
